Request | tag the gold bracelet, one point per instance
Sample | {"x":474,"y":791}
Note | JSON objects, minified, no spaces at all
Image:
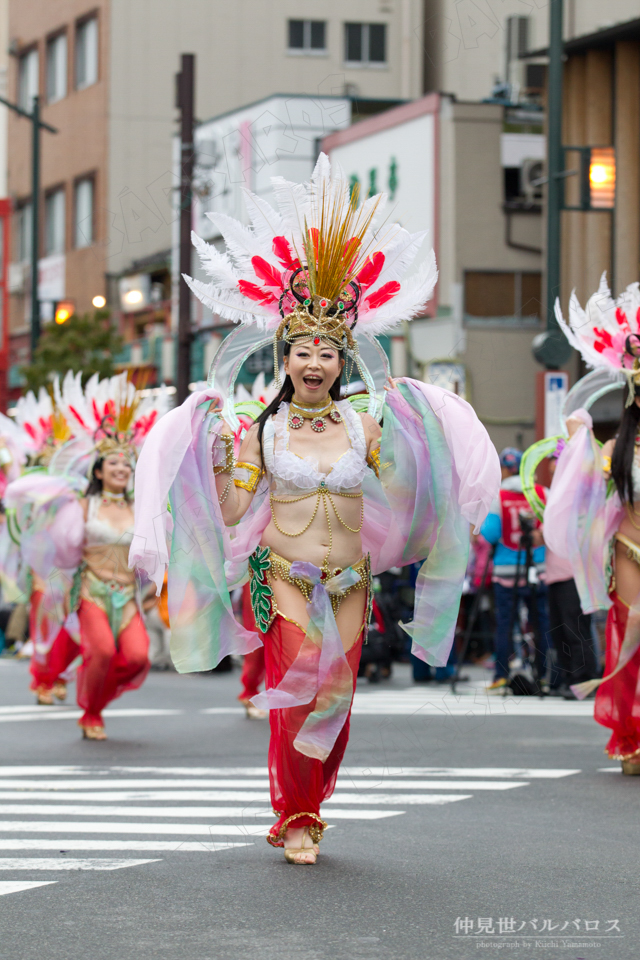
{"x":373,"y":459}
{"x":606,"y":463}
{"x":253,"y":476}
{"x":226,"y":465}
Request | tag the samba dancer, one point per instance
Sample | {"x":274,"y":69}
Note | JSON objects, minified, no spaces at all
{"x":319,"y":497}
{"x":596,"y":524}
{"x":87,"y":540}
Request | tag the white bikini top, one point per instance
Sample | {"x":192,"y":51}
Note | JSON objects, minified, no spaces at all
{"x":289,"y":473}
{"x":98,"y":533}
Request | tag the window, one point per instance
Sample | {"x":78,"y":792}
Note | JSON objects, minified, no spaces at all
{"x":365,"y":43}
{"x":57,"y":68}
{"x":24,"y":233}
{"x":83,"y":213}
{"x":86,"y":53}
{"x":307,"y":36}
{"x":28,"y":85}
{"x":508,"y":295}
{"x":54,"y":223}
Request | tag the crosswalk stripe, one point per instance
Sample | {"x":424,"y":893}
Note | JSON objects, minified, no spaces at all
{"x":68,"y":863}
{"x":184,"y":829}
{"x":219,"y":786}
{"x":58,"y":713}
{"x":75,"y":810}
{"x":203,"y":796}
{"x":521,"y":773}
{"x":16,"y":886}
{"x":139,"y":846}
{"x":528,"y":773}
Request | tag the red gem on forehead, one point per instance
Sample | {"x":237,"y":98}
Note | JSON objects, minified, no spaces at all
{"x":323,"y":303}
{"x":316,"y":340}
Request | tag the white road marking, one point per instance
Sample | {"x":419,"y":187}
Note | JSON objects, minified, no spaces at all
{"x":76,"y":810}
{"x":479,"y":706}
{"x":528,"y":773}
{"x":41,"y":771}
{"x":16,"y":886}
{"x":56,"y":713}
{"x":64,"y":863}
{"x":139,"y":846}
{"x":223,"y":785}
{"x":202,"y":796}
{"x":183,"y":829}
{"x":609,"y":769}
{"x":524,"y":773}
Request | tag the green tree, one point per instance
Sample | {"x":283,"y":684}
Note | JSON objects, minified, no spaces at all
{"x":86,"y":343}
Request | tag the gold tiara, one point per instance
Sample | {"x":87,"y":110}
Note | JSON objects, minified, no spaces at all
{"x":109,"y":446}
{"x":319,"y":319}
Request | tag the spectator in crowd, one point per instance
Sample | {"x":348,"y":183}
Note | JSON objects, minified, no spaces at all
{"x":502,"y":528}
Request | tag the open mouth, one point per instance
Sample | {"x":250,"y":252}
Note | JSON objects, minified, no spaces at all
{"x":312,"y":382}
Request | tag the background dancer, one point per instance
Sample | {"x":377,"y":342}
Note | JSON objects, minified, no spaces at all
{"x":598,"y":527}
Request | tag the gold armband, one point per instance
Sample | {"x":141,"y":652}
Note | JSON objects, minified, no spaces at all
{"x":248,"y":480}
{"x":606,"y":463}
{"x":222,"y":454}
{"x":373,"y":460}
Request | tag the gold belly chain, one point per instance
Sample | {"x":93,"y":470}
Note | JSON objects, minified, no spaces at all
{"x":322,"y":493}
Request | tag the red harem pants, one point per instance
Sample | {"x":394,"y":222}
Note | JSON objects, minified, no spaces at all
{"x":253,"y":664}
{"x":109,"y":667}
{"x":618,"y":700}
{"x":46,"y":669}
{"x":299,"y":784}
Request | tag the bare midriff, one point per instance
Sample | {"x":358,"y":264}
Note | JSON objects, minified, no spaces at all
{"x":109,"y":561}
{"x":628,"y":571}
{"x":334,"y":542}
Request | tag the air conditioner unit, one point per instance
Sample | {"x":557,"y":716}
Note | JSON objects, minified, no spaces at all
{"x":531,"y":172}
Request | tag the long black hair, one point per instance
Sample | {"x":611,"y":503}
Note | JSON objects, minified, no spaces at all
{"x":624,"y":451}
{"x":287,"y":391}
{"x":95,"y":483}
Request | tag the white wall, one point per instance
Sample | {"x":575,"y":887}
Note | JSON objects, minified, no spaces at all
{"x":241,"y":57}
{"x":411,"y":146}
{"x":245,"y":149}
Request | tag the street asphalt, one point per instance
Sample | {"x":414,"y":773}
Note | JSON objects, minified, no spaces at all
{"x":456,"y":833}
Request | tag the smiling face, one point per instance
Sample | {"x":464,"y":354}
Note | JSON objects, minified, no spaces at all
{"x":114,"y":473}
{"x":313,"y":369}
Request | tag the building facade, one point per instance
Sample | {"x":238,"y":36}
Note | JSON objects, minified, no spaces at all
{"x":105,"y":76}
{"x":451,"y":170}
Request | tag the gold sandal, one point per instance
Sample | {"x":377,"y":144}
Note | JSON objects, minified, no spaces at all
{"x":630,"y":768}
{"x":290,"y":853}
{"x":254,"y":713}
{"x":59,"y":690}
{"x":44,"y":696}
{"x":93,"y":733}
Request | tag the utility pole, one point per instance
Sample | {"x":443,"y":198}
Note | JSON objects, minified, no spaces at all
{"x":36,"y":126}
{"x":551,"y":349}
{"x":185,"y":88}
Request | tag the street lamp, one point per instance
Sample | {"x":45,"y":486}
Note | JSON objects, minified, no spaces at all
{"x":99,"y":302}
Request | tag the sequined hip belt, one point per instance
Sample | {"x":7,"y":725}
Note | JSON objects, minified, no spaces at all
{"x":265,"y":566}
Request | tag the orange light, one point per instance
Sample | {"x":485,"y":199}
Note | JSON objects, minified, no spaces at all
{"x":602,"y":178}
{"x":64,"y":310}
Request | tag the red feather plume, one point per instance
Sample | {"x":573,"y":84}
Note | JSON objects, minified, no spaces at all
{"x":282,"y":249}
{"x":266,"y":272}
{"x":386,"y":292}
{"x":254,"y":292}
{"x":371,"y":269}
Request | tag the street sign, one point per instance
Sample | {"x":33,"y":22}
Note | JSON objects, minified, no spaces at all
{"x":556,"y":385}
